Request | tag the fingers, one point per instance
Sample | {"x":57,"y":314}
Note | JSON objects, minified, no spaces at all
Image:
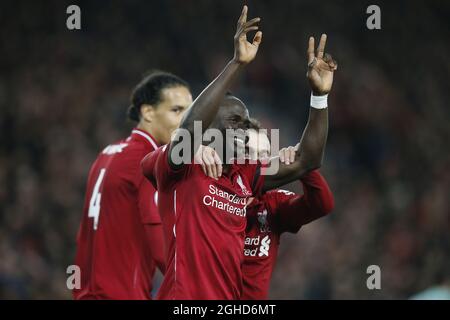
{"x":284,"y":156}
{"x":314,"y":59}
{"x":257,"y":39}
{"x":203,"y":165}
{"x":254,"y":28}
{"x":243,"y":17}
{"x":198,"y":160}
{"x":212,"y":164}
{"x":244,"y":26}
{"x":287,"y":155}
{"x":291,"y":154}
{"x":248,"y":26}
{"x":321,"y":47}
{"x":252,"y":22}
{"x":218,"y":163}
{"x":287,"y":158}
{"x":210,"y":172}
{"x":330,"y":61}
{"x":310,"y":51}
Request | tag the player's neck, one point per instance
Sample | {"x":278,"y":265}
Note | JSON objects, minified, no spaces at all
{"x":148,"y":128}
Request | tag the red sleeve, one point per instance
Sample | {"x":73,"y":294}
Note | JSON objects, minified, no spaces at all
{"x":293,"y":211}
{"x":156,"y":168}
{"x":155,"y":238}
{"x":148,"y":209}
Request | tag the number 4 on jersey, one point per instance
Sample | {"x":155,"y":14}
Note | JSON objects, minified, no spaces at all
{"x":94,"y":205}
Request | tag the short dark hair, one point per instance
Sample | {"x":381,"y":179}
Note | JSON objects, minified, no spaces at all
{"x":148,"y":91}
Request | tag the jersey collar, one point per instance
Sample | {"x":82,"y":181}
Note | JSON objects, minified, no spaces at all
{"x":144,"y":135}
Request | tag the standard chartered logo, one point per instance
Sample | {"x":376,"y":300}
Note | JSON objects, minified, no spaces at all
{"x":225,"y":201}
{"x":264,"y":248}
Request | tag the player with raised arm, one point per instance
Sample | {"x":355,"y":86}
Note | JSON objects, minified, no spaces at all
{"x":204,"y":219}
{"x":276,"y":211}
{"x":120,"y":239}
{"x":271,"y":214}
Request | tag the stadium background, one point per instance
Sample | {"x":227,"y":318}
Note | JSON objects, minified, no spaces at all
{"x":64,"y":95}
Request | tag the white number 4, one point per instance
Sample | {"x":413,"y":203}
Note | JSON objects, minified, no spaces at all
{"x":94,"y":205}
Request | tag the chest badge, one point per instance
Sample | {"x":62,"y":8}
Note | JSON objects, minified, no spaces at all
{"x":262,"y":220}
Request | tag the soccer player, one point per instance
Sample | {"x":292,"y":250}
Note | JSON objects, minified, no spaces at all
{"x":120,"y":237}
{"x":204,"y":219}
{"x":276,"y":212}
{"x":271,"y":214}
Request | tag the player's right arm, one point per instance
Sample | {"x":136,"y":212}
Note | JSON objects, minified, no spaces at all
{"x":293,"y":211}
{"x":206,"y":105}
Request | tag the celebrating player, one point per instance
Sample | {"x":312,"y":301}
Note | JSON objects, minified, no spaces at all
{"x":120,"y":238}
{"x":204,"y":219}
{"x":271,"y":214}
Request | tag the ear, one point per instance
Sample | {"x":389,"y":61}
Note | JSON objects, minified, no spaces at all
{"x":147,"y":112}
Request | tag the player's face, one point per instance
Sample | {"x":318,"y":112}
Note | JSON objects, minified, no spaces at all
{"x":233,"y":114}
{"x":169,"y":112}
{"x":258,"y":145}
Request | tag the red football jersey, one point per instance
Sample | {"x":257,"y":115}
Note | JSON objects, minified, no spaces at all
{"x":112,"y":248}
{"x":204,"y":224}
{"x":270,"y":215}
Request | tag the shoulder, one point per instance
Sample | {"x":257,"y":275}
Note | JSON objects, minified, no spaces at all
{"x":276,"y":197}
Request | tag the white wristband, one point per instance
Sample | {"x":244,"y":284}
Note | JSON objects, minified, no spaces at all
{"x":319,"y":102}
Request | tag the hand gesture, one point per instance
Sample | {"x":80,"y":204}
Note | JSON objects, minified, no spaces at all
{"x":244,"y":51}
{"x":320,"y":67}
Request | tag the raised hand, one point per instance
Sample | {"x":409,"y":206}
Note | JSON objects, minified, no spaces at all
{"x":244,"y":51}
{"x":320,"y":67}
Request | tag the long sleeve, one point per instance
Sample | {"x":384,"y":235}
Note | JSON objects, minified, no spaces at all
{"x":293,"y":211}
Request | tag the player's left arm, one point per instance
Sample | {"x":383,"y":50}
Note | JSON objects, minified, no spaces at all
{"x":155,"y":238}
{"x":311,"y":149}
{"x":294,"y":211}
{"x":151,"y":219}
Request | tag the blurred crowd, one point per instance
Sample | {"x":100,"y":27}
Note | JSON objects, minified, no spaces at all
{"x":64,"y":95}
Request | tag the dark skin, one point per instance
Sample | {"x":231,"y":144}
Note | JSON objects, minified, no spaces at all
{"x":216,"y":112}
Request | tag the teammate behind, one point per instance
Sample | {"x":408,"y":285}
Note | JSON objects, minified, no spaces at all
{"x":276,"y":212}
{"x":120,"y":237}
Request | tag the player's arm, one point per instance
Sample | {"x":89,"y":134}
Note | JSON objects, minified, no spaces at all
{"x":155,"y":239}
{"x":317,"y":201}
{"x":293,"y":211}
{"x":149,"y":215}
{"x":206,"y":105}
{"x":312,"y":143}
